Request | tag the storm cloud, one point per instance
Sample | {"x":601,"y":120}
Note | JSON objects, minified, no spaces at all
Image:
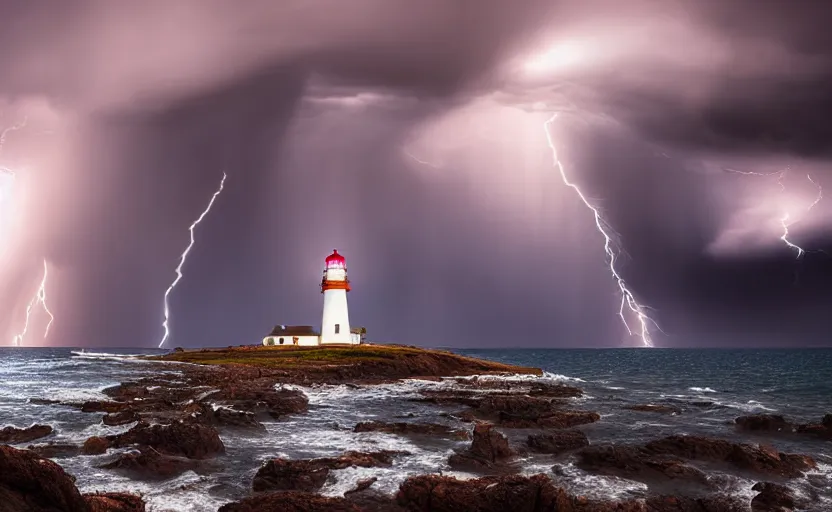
{"x":409,"y":135}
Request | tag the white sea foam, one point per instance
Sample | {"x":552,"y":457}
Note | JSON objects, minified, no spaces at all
{"x":597,"y":487}
{"x":703,"y":390}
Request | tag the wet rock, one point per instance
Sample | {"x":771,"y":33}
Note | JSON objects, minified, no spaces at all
{"x":223,"y":417}
{"x":636,"y":463}
{"x":556,"y":419}
{"x":43,"y":401}
{"x":822,"y":429}
{"x":310,"y":474}
{"x":759,"y":459}
{"x":661,"y":409}
{"x":147,"y":464}
{"x":714,"y":503}
{"x":54,"y":450}
{"x":29,"y":483}
{"x":120,"y":418}
{"x":291,"y":502}
{"x":362,"y":485}
{"x":488,"y":452}
{"x":763,"y":423}
{"x":194,"y":441}
{"x":127,"y":391}
{"x":772,"y":498}
{"x":114,"y":502}
{"x":432,"y":493}
{"x":258,"y":397}
{"x":108,"y":407}
{"x":95,"y":446}
{"x":14,"y":435}
{"x":403,"y":428}
{"x":557,"y":442}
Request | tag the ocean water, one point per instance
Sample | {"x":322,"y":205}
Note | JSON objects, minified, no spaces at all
{"x":711,"y":387}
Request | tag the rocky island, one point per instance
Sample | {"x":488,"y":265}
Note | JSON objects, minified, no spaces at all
{"x":505,"y":420}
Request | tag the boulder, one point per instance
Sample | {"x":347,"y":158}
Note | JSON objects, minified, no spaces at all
{"x":147,"y":464}
{"x":114,"y":502}
{"x":120,"y":418}
{"x":310,"y":474}
{"x":636,"y":463}
{"x":14,"y":435}
{"x":557,"y":442}
{"x":758,"y":459}
{"x":95,"y":446}
{"x":772,"y":498}
{"x":54,"y":450}
{"x":29,"y":483}
{"x":108,"y":407}
{"x":763,"y":423}
{"x":223,"y":417}
{"x":488,"y":452}
{"x":190,"y":440}
{"x":556,"y":419}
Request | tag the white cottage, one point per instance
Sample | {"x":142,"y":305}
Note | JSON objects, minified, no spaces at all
{"x":335,"y":323}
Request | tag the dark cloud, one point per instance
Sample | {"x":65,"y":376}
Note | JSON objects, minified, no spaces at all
{"x":313,"y":108}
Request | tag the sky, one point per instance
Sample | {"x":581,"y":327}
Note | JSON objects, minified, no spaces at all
{"x":414,"y":137}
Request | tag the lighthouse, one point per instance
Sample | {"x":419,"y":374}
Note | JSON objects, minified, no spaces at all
{"x":335,"y":324}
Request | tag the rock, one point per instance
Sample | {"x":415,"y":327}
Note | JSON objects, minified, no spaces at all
{"x":54,"y":450}
{"x":120,"y":418}
{"x":403,"y":428}
{"x":291,"y":502}
{"x":223,"y":417}
{"x":114,"y":502}
{"x":772,"y":498}
{"x":557,"y":442}
{"x":95,"y":446}
{"x":108,"y":407}
{"x":488,"y":451}
{"x":822,"y":429}
{"x":763,"y":423}
{"x":148,"y":464}
{"x":194,"y":441}
{"x":362,"y":485}
{"x":29,"y":483}
{"x":662,"y":409}
{"x":257,"y":397}
{"x":14,"y":435}
{"x":636,"y":463}
{"x":759,"y":459}
{"x":557,"y":419}
{"x":290,"y":475}
{"x":489,"y":444}
{"x":310,"y":474}
{"x":432,"y":493}
{"x":127,"y":391}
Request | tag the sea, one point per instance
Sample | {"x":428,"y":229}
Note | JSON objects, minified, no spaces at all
{"x":710,"y":386}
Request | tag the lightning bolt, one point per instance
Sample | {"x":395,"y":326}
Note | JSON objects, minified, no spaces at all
{"x":39,"y":298}
{"x":420,"y":161}
{"x":628,"y":300}
{"x":785,"y":220}
{"x":166,"y":323}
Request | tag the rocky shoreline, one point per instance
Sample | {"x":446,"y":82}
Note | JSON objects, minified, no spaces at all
{"x":177,"y":424}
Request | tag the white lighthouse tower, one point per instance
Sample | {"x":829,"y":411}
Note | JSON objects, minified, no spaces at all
{"x":335,"y":325}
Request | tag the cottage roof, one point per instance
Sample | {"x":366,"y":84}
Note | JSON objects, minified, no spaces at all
{"x":294,"y":330}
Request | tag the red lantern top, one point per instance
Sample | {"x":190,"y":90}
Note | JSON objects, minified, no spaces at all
{"x":335,"y":260}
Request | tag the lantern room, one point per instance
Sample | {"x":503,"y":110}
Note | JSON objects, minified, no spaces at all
{"x":335,"y":261}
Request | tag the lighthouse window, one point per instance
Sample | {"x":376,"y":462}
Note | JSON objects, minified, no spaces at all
{"x":337,"y":328}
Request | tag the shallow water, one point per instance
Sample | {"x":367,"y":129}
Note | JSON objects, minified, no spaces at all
{"x":711,"y":386}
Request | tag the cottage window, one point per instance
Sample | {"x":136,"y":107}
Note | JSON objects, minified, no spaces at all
{"x":281,"y":341}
